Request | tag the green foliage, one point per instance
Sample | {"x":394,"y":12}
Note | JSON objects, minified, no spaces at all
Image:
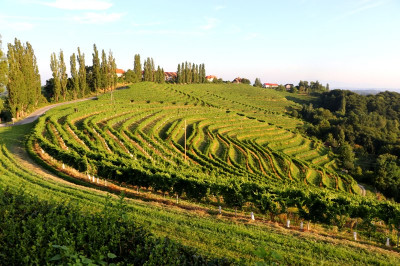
{"x":269,"y":257}
{"x":97,"y":78}
{"x":245,"y":81}
{"x":24,"y":88}
{"x":359,"y":128}
{"x":191,"y":73}
{"x":83,"y":87}
{"x":39,"y":232}
{"x":137,"y":67}
{"x":257,"y":83}
{"x":3,"y":70}
{"x":74,"y":87}
{"x":241,"y":171}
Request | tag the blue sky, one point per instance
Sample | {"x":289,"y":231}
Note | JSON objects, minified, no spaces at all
{"x":346,"y":43}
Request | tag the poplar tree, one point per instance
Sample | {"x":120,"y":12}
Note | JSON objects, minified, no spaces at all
{"x":104,"y":71}
{"x":55,"y":69}
{"x":32,"y":77}
{"x":74,"y":76}
{"x":148,"y":69}
{"x":179,"y":74}
{"x":82,"y":73}
{"x":3,"y":69}
{"x":152,"y":69}
{"x":15,"y":85}
{"x":257,"y":83}
{"x":203,"y":73}
{"x":63,"y":76}
{"x":162,"y":75}
{"x":96,"y":69}
{"x":24,"y":88}
{"x":137,"y":67}
{"x":112,"y":67}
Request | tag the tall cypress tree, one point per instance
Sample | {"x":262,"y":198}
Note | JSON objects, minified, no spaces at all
{"x":137,"y":67}
{"x":112,"y":70}
{"x":74,"y":76}
{"x":33,"y":84}
{"x":96,"y":69}
{"x":3,"y":69}
{"x":203,"y":73}
{"x":82,"y":73}
{"x":63,"y":76}
{"x":179,"y":74}
{"x":55,"y":69}
{"x":148,"y":69}
{"x":162,"y":76}
{"x":15,"y":85}
{"x":24,"y":90}
{"x":152,"y":70}
{"x":186,"y":72}
{"x":104,"y":71}
{"x":183,"y":71}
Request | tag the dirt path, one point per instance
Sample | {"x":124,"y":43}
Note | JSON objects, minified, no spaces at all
{"x":362,"y":188}
{"x":36,"y":114}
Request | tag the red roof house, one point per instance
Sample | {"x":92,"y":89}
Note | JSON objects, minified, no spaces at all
{"x":270,"y":85}
{"x":119,"y":72}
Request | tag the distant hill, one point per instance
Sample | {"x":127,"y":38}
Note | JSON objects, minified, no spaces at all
{"x":366,"y":91}
{"x":369,"y":91}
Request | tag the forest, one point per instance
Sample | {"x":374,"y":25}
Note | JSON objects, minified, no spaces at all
{"x":363,"y":131}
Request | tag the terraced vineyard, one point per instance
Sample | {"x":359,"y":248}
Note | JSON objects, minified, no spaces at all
{"x":149,"y":128}
{"x":191,"y":141}
{"x":137,"y":137}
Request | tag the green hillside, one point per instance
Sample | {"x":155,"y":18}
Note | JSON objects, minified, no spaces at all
{"x":242,"y":152}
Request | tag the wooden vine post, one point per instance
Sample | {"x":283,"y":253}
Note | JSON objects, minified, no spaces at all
{"x":185,"y":140}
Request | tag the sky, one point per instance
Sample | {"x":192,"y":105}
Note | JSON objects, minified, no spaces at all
{"x":346,"y":43}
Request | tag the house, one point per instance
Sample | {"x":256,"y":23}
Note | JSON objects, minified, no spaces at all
{"x":288,"y":87}
{"x":211,"y":78}
{"x":119,"y":72}
{"x":270,"y":85}
{"x":170,"y":76}
{"x":237,"y":80}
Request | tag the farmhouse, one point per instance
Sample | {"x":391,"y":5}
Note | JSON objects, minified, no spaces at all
{"x":270,"y":85}
{"x":211,"y":78}
{"x":170,"y":76}
{"x":119,"y":72}
{"x":237,"y":80}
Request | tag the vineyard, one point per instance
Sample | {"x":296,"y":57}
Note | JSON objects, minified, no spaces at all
{"x":205,"y":145}
{"x":224,"y":145}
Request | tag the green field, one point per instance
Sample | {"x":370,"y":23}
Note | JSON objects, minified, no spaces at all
{"x":237,"y":137}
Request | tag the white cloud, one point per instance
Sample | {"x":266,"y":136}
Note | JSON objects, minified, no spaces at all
{"x":79,"y":4}
{"x":211,"y":23}
{"x":98,"y":18}
{"x":251,"y":36}
{"x":364,"y":5}
{"x":220,"y":7}
{"x":146,"y":24}
{"x":15,"y":25}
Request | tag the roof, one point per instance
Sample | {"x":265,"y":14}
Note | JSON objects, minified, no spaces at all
{"x":170,"y":74}
{"x":211,"y":77}
{"x":119,"y":71}
{"x":270,"y":84}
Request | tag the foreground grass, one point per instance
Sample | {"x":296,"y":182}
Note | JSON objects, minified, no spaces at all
{"x":209,"y":234}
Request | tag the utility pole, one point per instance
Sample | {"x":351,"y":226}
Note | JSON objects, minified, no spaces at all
{"x":185,"y":140}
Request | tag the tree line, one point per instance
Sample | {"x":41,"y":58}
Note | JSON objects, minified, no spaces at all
{"x":363,"y":130}
{"x":19,"y":74}
{"x":304,"y":87}
{"x":84,"y":80}
{"x":191,"y":73}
